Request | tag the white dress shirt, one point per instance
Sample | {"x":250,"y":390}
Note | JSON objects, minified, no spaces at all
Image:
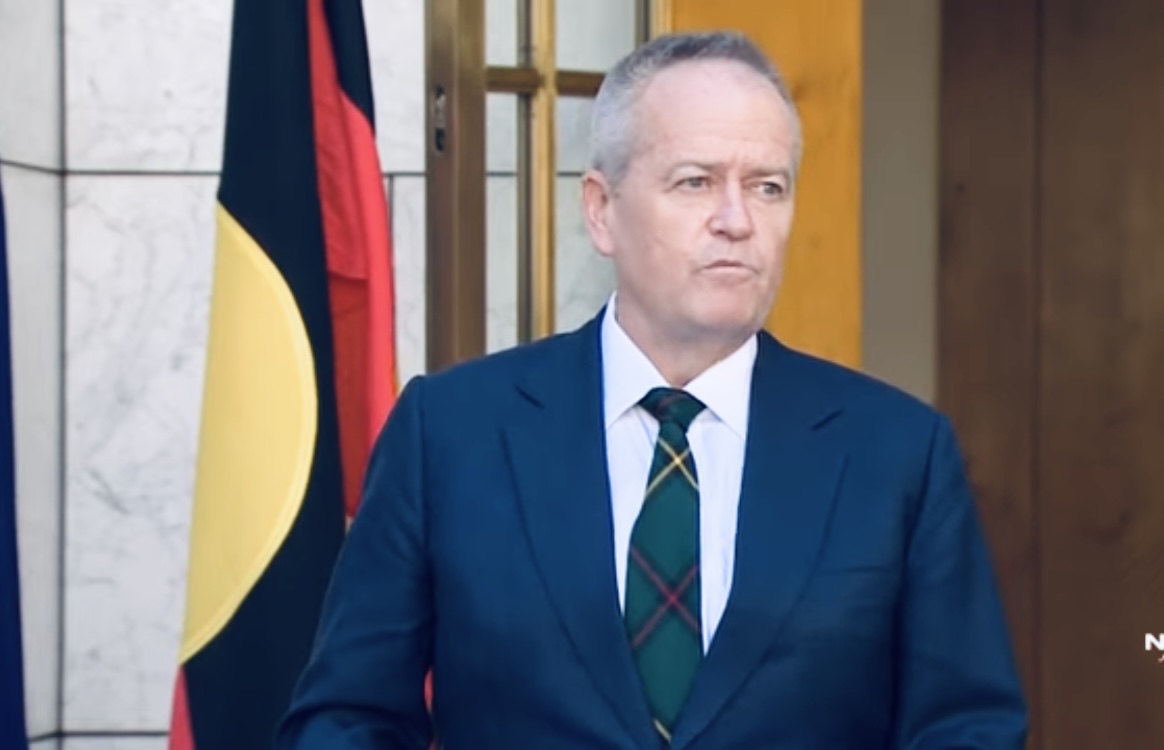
{"x":717,"y":438}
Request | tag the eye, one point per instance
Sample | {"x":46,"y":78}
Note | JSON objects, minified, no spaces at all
{"x":772,"y":189}
{"x":695,"y":182}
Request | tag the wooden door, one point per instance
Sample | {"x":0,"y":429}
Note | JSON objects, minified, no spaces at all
{"x":1051,"y":354}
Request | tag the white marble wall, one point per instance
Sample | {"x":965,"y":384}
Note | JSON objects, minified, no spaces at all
{"x":45,"y":743}
{"x":396,"y":51}
{"x":125,"y":305}
{"x":30,"y":163}
{"x":137,"y":285}
{"x":156,"y":741}
{"x":33,"y":212}
{"x":30,"y":92}
{"x":145,"y":83}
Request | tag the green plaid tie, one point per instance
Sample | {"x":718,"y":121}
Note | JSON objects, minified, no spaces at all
{"x":662,"y":588}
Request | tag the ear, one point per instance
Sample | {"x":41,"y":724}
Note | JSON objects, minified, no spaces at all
{"x":597,"y":196}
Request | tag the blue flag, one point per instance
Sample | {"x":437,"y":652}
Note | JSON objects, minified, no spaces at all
{"x":13,"y":735}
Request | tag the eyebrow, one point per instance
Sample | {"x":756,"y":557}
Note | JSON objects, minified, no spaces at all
{"x":784,"y":172}
{"x":764,"y":171}
{"x":705,"y":166}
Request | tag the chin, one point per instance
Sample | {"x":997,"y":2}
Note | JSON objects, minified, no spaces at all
{"x":728,"y":326}
{"x":729,"y":312}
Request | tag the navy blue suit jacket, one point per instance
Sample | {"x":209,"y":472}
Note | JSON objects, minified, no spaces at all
{"x":863,"y":611}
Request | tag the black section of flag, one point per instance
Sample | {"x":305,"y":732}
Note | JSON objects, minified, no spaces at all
{"x":345,"y":18}
{"x":239,"y":685}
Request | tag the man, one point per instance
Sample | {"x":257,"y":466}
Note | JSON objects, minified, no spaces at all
{"x":667,"y":529}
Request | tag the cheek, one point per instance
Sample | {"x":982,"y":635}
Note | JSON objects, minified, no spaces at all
{"x":773,"y":234}
{"x":661,"y":241}
{"x":681,"y":234}
{"x":660,"y":266}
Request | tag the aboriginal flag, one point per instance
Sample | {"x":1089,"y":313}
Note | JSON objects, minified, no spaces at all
{"x":300,"y":370}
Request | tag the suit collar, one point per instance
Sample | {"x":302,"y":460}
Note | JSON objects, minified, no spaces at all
{"x":560,"y":367}
{"x":571,"y":371}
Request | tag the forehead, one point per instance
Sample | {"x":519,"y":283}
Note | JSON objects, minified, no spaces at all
{"x":713,"y":101}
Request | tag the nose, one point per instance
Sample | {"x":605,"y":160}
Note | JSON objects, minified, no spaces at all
{"x":732,"y":219}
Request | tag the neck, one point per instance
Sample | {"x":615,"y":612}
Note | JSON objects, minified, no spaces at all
{"x":678,"y":359}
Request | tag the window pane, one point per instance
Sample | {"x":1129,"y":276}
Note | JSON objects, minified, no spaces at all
{"x":501,"y":32}
{"x":501,"y":212}
{"x":500,"y":262}
{"x":594,"y":34}
{"x":572,"y":136}
{"x":406,"y":197}
{"x":583,"y":279}
{"x":500,"y":133}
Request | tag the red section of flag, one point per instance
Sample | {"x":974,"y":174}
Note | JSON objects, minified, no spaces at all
{"x":359,"y":260}
{"x":181,"y":737}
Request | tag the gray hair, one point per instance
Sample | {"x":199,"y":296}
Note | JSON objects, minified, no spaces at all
{"x":612,"y":131}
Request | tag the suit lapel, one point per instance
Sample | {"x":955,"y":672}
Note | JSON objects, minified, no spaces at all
{"x":791,"y":472}
{"x":556,"y":443}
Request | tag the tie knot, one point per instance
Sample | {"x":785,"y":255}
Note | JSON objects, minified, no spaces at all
{"x":672,"y":405}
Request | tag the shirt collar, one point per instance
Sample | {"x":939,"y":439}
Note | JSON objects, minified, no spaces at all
{"x":724,"y":388}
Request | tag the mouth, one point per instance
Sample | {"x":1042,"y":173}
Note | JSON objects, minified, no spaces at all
{"x":728,"y":266}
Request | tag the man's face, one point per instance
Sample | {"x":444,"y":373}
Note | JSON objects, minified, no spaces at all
{"x":697,"y":228}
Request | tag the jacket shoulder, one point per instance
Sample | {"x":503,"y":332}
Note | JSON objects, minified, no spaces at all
{"x":864,"y":396}
{"x":488,"y":380}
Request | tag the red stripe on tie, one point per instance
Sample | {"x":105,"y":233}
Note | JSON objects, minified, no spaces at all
{"x":672,"y":599}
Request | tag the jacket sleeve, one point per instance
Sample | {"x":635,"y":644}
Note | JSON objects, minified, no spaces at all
{"x":958,"y":686}
{"x":363,"y":686}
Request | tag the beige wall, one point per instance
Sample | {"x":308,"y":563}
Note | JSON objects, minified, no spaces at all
{"x":900,"y":192}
